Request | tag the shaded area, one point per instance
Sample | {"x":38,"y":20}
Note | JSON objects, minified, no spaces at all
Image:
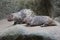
{"x":33,"y":37}
{"x":26,"y":37}
{"x":41,"y":7}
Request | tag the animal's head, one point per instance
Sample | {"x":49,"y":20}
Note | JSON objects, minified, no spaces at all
{"x":10,"y":17}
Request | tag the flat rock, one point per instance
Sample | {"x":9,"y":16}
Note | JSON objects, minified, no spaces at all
{"x":9,"y":31}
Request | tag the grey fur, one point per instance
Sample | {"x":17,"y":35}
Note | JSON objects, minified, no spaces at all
{"x":19,"y":16}
{"x":39,"y":21}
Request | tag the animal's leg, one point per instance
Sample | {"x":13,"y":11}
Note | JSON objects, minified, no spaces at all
{"x":44,"y":25}
{"x":15,"y":23}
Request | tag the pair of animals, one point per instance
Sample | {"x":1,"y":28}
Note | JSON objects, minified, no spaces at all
{"x":27,"y":16}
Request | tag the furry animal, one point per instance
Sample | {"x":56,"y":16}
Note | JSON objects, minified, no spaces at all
{"x":39,"y":21}
{"x":19,"y":16}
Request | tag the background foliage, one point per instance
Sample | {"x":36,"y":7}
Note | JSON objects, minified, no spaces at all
{"x":41,"y":7}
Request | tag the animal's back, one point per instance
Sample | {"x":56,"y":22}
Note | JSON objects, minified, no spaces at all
{"x":40,"y":20}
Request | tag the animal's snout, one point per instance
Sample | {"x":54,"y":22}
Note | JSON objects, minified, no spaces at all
{"x":10,"y":18}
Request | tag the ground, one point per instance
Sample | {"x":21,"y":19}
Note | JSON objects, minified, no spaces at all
{"x":54,"y":30}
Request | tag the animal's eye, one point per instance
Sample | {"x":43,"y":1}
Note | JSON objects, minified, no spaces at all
{"x":11,"y":15}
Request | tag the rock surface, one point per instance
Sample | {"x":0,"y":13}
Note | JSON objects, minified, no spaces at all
{"x":15,"y":32}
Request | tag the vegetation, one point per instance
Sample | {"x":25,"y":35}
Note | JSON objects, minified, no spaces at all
{"x":41,"y":7}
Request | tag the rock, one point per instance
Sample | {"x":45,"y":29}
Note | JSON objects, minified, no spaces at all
{"x":25,"y":33}
{"x":57,"y":19}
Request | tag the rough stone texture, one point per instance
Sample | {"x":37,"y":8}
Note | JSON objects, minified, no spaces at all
{"x":57,"y":19}
{"x":10,"y":32}
{"x":15,"y":31}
